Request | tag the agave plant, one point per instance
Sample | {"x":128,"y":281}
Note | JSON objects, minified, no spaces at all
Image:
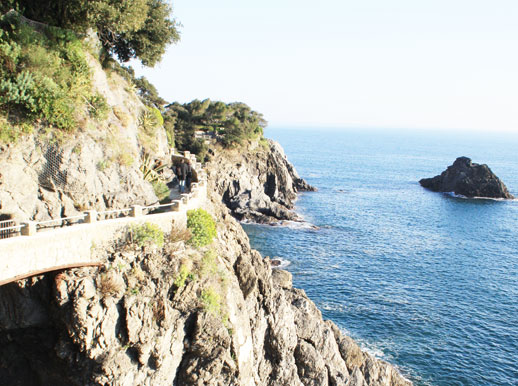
{"x":150,"y":170}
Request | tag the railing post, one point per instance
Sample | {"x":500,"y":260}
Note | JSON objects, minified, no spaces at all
{"x":177,"y":205}
{"x":29,"y":228}
{"x":136,"y":211}
{"x":90,"y":216}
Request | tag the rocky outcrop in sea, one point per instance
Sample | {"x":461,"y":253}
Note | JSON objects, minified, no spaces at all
{"x":468,"y":179}
{"x":258,"y":183}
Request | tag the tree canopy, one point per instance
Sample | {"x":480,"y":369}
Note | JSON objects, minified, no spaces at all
{"x":127,"y":28}
{"x":232,"y":123}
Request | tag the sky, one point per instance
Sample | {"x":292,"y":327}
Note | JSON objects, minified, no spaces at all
{"x":430,"y":64}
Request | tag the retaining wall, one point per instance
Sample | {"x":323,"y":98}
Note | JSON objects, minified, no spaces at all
{"x":75,"y":245}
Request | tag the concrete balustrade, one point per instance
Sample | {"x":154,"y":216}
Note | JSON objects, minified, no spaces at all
{"x":90,"y":216}
{"x":136,"y":211}
{"x":77,"y":245}
{"x":29,"y":228}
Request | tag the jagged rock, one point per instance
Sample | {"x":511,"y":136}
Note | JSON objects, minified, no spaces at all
{"x":467,"y":179}
{"x":258,"y":184}
{"x":265,"y":332}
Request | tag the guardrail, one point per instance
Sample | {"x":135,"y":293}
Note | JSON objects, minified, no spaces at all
{"x":9,"y":228}
{"x":79,"y":241}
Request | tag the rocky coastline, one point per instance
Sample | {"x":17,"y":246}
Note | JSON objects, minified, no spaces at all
{"x":171,"y":314}
{"x":143,"y":328}
{"x":468,"y":179}
{"x":259,"y":184}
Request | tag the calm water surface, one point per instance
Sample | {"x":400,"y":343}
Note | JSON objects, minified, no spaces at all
{"x":424,"y":280}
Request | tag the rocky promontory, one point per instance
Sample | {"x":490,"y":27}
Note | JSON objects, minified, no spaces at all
{"x":257,"y":183}
{"x":468,"y":179}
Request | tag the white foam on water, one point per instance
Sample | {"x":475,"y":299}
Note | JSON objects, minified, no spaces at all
{"x":452,"y":194}
{"x":283,"y":262}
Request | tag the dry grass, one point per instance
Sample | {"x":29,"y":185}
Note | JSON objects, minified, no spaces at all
{"x":111,"y":284}
{"x":179,"y":234}
{"x":139,"y":274}
{"x":122,"y":116}
{"x":158,"y":311}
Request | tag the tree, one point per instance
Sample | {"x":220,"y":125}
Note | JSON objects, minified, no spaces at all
{"x":129,"y":29}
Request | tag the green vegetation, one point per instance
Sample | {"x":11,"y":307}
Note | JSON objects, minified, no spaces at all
{"x":149,"y":122}
{"x":182,"y":276}
{"x":97,"y":106}
{"x":129,"y":29}
{"x":211,"y":301}
{"x":44,"y":78}
{"x":149,"y":169}
{"x":202,"y":227}
{"x":231,"y":123}
{"x":151,"y":173}
{"x":161,"y":190}
{"x":209,"y":266}
{"x":147,"y":234}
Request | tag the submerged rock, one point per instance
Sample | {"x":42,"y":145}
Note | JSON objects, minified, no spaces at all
{"x":468,"y":179}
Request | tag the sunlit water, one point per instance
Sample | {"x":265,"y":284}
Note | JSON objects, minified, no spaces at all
{"x":424,"y":280}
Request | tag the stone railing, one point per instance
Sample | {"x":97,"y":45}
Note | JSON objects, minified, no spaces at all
{"x":78,"y":244}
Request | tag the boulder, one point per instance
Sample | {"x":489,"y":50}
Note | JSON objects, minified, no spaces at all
{"x":467,"y":179}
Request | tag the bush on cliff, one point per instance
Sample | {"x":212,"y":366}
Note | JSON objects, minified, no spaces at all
{"x":147,"y":234}
{"x":44,"y":79}
{"x":202,"y":227}
{"x":232,"y":123}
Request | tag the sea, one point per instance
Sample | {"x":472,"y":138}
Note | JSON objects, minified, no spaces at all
{"x":426,"y":281}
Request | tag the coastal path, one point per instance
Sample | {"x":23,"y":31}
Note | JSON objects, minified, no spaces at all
{"x":38,"y":249}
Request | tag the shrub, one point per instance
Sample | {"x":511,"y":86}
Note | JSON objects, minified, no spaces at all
{"x":111,"y":284}
{"x":45,"y":77}
{"x":211,"y":301}
{"x":147,"y":234}
{"x":149,"y":121}
{"x":209,"y":266}
{"x":97,"y":106}
{"x":182,"y":276}
{"x":161,"y":189}
{"x":202,"y":227}
{"x":179,"y":234}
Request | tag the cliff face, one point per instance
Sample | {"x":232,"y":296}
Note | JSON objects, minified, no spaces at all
{"x":257,"y":184}
{"x":44,"y":177}
{"x":468,"y":179}
{"x":232,"y":320}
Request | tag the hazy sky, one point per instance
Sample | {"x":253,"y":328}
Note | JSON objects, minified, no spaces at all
{"x":365,"y":63}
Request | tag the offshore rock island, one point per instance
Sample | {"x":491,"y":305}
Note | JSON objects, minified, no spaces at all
{"x":468,"y":179}
{"x":161,"y":308}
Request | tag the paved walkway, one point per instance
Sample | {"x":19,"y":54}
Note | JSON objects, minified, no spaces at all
{"x":76,"y":245}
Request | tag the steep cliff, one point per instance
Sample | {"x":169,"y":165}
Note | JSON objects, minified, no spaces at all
{"x":257,"y":183}
{"x":97,"y":167}
{"x":218,"y":315}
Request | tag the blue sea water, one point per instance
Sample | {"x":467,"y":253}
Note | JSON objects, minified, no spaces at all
{"x":424,"y":280}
